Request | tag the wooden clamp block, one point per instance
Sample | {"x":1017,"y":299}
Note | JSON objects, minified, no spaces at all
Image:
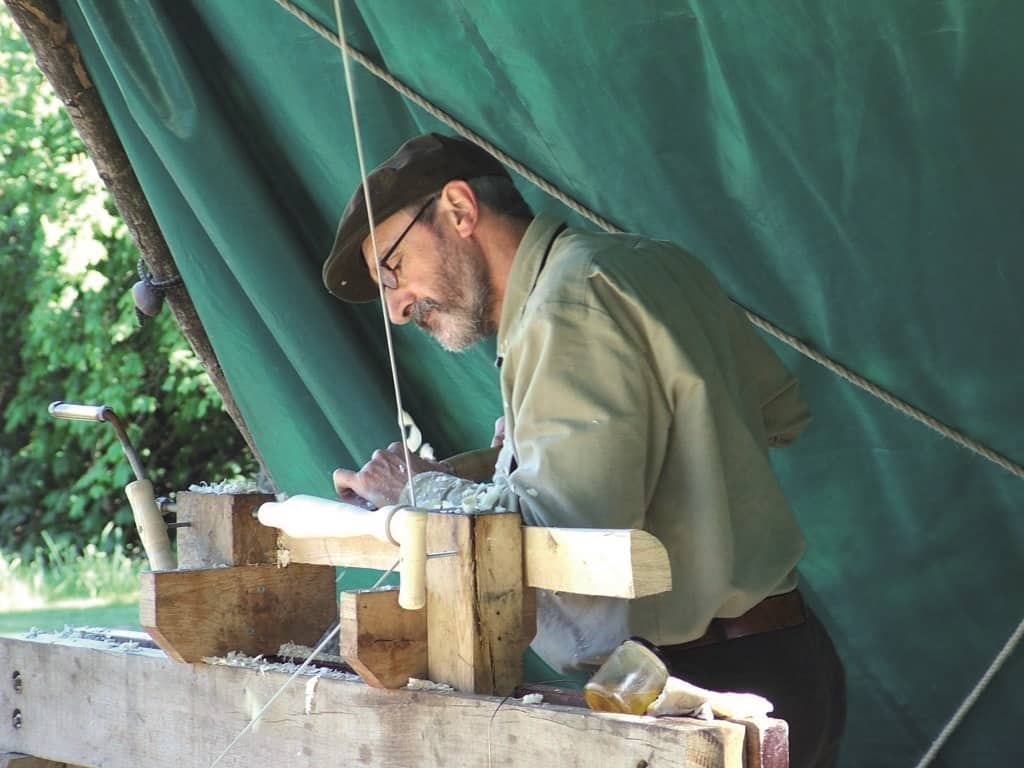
{"x":223,"y":530}
{"x":251,"y":608}
{"x":14,"y":760}
{"x":475,"y":602}
{"x":383,"y":643}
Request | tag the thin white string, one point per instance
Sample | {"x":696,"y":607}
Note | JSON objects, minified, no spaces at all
{"x":302,"y":667}
{"x":350,"y":87}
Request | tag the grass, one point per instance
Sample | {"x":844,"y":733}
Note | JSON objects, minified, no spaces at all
{"x":97,"y":585}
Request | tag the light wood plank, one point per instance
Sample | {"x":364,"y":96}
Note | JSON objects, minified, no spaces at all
{"x":500,"y":609}
{"x":451,"y":615}
{"x":475,"y":602}
{"x":251,"y":608}
{"x":608,"y":563}
{"x":116,"y":710}
{"x":383,"y":643}
{"x":223,"y":530}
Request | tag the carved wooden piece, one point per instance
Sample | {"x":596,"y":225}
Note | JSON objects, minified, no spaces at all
{"x":252,"y":608}
{"x":475,"y":602}
{"x":104,"y":708}
{"x":354,"y":552}
{"x":382,"y":642}
{"x":223,"y":530}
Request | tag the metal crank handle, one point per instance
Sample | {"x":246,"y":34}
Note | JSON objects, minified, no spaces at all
{"x":78,"y":412}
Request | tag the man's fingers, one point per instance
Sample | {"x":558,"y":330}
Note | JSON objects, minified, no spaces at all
{"x":345,"y":481}
{"x":390,"y":456}
{"x":396,"y":448}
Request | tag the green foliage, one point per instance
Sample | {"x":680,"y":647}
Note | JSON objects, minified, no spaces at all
{"x":68,"y":332}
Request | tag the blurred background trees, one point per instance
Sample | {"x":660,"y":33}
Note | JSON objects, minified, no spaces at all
{"x":68,"y":331}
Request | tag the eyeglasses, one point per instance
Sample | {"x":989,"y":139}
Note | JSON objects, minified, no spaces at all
{"x":389,"y":274}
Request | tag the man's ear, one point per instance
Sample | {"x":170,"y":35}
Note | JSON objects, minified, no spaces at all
{"x":460,"y":204}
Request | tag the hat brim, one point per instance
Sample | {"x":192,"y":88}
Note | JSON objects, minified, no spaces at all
{"x":420,"y":167}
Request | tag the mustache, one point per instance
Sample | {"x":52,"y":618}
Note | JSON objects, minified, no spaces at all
{"x":422,"y":308}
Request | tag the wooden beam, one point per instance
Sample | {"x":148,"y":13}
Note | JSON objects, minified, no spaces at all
{"x":383,"y":643}
{"x":608,"y":563}
{"x":223,"y":530}
{"x":766,"y":744}
{"x":46,"y":30}
{"x":105,"y":708}
{"x":252,"y":608}
{"x":475,"y":602}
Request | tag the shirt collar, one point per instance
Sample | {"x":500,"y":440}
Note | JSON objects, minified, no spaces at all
{"x":522,"y":277}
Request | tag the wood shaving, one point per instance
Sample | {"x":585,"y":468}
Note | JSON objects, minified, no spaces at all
{"x":415,"y":684}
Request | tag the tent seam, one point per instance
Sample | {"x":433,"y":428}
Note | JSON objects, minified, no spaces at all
{"x":544,"y":185}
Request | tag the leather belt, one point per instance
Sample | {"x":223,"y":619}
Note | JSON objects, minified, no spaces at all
{"x":777,"y":612}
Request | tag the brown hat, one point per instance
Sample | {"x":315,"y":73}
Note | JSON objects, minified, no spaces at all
{"x":420,"y":167}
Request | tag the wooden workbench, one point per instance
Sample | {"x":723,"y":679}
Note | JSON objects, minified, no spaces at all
{"x":91,"y":703}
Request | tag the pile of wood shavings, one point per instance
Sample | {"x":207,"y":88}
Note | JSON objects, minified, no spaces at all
{"x":258,"y":663}
{"x":100,"y":635}
{"x":415,"y":684}
{"x":232,"y":487}
{"x":302,"y":652}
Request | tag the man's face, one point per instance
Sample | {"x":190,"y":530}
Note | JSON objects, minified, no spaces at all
{"x":441,"y":280}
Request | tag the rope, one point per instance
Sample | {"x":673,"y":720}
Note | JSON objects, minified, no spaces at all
{"x":973,"y":696}
{"x":768,"y":327}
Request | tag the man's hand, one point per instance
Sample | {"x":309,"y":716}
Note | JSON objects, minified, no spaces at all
{"x":382,"y":478}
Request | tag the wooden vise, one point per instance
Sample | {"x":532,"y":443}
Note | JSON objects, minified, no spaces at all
{"x":479,"y":615}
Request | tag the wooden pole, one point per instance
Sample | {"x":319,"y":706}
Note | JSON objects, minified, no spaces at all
{"x":47,"y":32}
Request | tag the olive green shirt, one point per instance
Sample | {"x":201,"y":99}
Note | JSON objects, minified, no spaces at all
{"x":637,"y":395}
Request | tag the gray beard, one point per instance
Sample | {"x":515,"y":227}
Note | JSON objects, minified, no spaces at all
{"x":460,"y":317}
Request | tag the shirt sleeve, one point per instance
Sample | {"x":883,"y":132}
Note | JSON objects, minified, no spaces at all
{"x":785,"y":414}
{"x":584,"y":420}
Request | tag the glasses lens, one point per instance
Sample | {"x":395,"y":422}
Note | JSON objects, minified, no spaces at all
{"x":388,"y":278}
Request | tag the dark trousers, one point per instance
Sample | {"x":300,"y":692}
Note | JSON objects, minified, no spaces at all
{"x":797,"y":669}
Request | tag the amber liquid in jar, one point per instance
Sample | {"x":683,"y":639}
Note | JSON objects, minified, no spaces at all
{"x":629,"y":680}
{"x":601,"y":699}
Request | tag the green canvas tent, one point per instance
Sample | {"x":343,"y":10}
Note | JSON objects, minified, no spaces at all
{"x":850,"y":171}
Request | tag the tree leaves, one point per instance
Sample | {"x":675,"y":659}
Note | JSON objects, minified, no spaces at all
{"x":68,"y":332}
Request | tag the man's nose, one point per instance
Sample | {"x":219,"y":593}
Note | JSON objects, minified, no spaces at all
{"x":400,"y":303}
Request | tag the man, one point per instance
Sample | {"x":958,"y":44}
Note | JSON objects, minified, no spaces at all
{"x":635,"y":395}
